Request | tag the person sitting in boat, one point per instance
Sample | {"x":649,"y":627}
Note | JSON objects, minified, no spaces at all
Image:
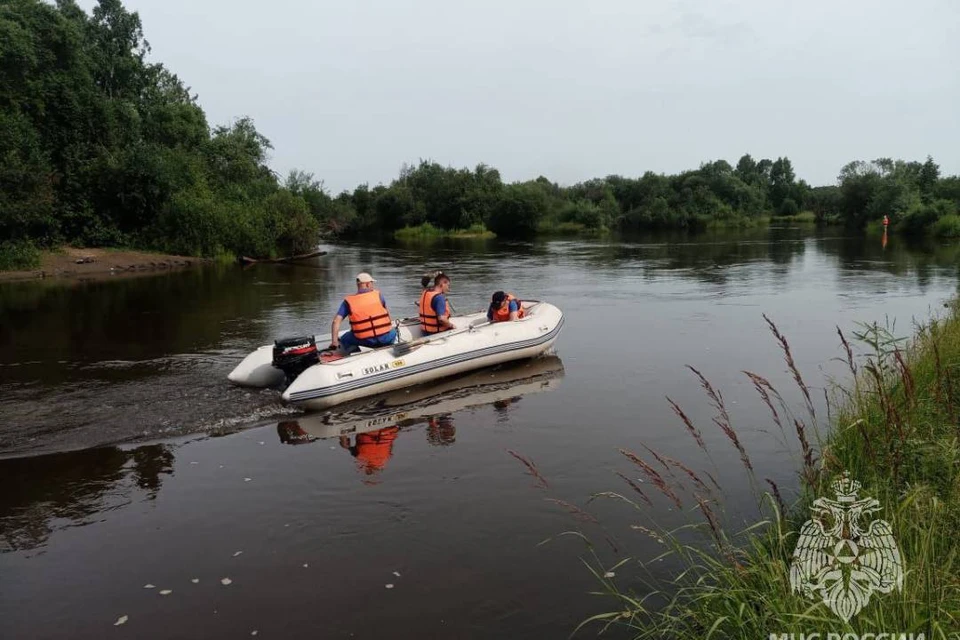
{"x":426,"y":281}
{"x":504,"y":307}
{"x":370,"y":323}
{"x":426,"y":284}
{"x":434,"y":309}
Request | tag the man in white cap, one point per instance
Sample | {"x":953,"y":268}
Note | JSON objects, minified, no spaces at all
{"x":370,"y":324}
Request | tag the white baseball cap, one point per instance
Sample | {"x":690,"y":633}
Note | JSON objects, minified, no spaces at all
{"x":365,"y":277}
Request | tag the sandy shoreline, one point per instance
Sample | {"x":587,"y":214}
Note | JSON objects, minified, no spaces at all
{"x":69,"y":262}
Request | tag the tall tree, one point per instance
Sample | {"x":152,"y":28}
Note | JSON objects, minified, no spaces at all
{"x":927,"y":180}
{"x":782,"y":181}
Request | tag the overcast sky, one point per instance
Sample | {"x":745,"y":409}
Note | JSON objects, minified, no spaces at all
{"x":571,"y":89}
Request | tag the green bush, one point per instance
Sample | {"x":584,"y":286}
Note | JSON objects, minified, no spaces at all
{"x":518,"y":213}
{"x":195,"y":223}
{"x":920,"y":218}
{"x":20,"y":255}
{"x":290,"y":227}
{"x":947,"y":227}
{"x":583,"y":213}
{"x":427,"y":231}
{"x":788,"y":208}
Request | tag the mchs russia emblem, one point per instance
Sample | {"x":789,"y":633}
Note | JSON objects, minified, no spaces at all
{"x":843,"y":555}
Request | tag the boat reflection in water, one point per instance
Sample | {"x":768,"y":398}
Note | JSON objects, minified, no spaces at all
{"x":368,"y":431}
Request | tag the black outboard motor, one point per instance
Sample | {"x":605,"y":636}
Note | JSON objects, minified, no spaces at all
{"x":293,"y":356}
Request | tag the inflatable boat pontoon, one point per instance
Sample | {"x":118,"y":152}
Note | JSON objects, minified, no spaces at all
{"x":415,"y":358}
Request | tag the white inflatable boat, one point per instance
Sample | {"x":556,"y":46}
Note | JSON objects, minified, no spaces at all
{"x":415,"y":358}
{"x":501,"y":385}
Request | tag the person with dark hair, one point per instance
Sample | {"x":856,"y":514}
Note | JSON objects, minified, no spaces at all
{"x":426,"y":281}
{"x":434,"y":310}
{"x":426,"y":284}
{"x":504,"y":307}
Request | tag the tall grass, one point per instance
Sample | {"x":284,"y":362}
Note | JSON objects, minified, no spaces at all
{"x":894,"y":428}
{"x":427,"y":231}
{"x":733,"y":222}
{"x":804,"y":217}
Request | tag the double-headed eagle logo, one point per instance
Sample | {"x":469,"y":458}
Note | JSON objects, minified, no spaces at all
{"x":843,"y":555}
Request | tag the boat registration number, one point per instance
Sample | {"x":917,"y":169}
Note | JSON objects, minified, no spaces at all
{"x":386,"y":366}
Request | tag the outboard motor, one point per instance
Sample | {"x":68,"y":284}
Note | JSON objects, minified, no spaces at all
{"x":293,"y":356}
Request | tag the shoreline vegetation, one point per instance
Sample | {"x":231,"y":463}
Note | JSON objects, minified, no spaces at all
{"x":99,"y":264}
{"x":101,"y":147}
{"x":893,"y":427}
{"x":426,"y":231}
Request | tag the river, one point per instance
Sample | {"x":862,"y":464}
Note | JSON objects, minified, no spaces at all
{"x":127,"y":459}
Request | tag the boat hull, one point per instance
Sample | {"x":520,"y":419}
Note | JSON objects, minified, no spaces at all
{"x":421,"y":403}
{"x":475,"y":344}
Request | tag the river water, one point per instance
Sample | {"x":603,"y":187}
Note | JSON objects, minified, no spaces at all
{"x":127,"y":459}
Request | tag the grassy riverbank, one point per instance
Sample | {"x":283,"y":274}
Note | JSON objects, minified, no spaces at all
{"x":804,"y":217}
{"x":427,"y":231}
{"x":894,"y":429}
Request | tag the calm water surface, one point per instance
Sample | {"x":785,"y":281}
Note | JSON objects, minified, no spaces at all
{"x":126,"y":458}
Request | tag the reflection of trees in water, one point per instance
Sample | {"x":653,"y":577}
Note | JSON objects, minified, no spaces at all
{"x":148,"y":463}
{"x":480,"y":259}
{"x":703,"y":256}
{"x":924,"y":258}
{"x":136,"y":319}
{"x":73,"y":487}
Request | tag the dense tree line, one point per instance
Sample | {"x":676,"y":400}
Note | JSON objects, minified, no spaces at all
{"x":100,"y":146}
{"x":911,"y":194}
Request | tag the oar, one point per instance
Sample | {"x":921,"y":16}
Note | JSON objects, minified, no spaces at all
{"x":404,"y":348}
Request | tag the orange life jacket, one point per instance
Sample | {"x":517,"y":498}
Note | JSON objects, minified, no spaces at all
{"x":502,"y":314}
{"x":429,"y":320}
{"x":368,"y":317}
{"x":375,"y":448}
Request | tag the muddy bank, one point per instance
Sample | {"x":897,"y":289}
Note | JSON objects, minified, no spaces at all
{"x":70,"y":262}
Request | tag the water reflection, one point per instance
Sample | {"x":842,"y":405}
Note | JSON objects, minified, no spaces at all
{"x":45,"y":493}
{"x":141,"y":321}
{"x":91,"y":363}
{"x":291,"y":432}
{"x":369,"y":432}
{"x":923,"y":258}
{"x":441,"y":431}
{"x":706,"y":257}
{"x":372,"y":449}
{"x":421,"y":403}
